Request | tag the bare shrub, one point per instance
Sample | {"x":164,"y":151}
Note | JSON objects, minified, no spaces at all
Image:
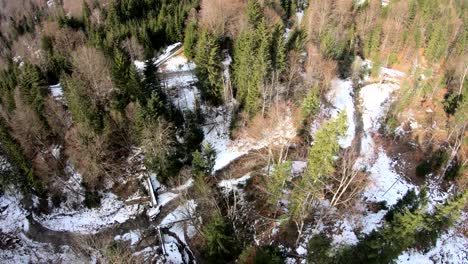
{"x":134,"y":48}
{"x":320,"y":69}
{"x":57,"y":117}
{"x":271,"y":15}
{"x":348,"y":183}
{"x":46,"y":167}
{"x":67,"y":40}
{"x":27,"y":47}
{"x":26,"y":126}
{"x":102,"y":248}
{"x":92,"y":67}
{"x":90,"y":154}
{"x":368,"y":19}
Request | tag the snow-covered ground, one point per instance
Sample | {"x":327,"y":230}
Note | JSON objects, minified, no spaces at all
{"x":12,"y":214}
{"x":452,"y":247}
{"x":178,"y":222}
{"x":177,"y":63}
{"x":217,"y":135}
{"x":16,"y":247}
{"x":340,"y":96}
{"x":230,"y":185}
{"x":57,"y":92}
{"x":88,"y":221}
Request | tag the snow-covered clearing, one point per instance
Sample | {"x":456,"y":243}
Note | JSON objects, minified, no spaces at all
{"x":24,"y":250}
{"x":88,"y":221}
{"x":386,"y":184}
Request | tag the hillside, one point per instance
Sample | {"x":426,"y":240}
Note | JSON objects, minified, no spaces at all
{"x":240,"y":131}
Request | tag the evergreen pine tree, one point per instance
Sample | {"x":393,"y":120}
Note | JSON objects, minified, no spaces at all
{"x":276,"y":181}
{"x":190,"y":39}
{"x":209,"y":68}
{"x":254,"y":12}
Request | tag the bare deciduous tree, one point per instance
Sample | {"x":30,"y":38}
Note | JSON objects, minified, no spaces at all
{"x":223,"y":17}
{"x":91,"y":66}
{"x":26,"y":126}
{"x":320,"y":69}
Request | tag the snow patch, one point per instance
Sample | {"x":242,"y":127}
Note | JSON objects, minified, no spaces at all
{"x":232,"y":184}
{"x":386,"y":184}
{"x":299,"y":15}
{"x":57,"y":92}
{"x":178,"y":63}
{"x":12,"y":214}
{"x":133,"y":237}
{"x":451,"y":247}
{"x":340,"y":96}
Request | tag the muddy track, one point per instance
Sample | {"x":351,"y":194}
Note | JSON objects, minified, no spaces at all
{"x":39,"y":233}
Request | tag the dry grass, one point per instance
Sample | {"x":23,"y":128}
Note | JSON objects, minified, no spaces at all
{"x":104,"y":250}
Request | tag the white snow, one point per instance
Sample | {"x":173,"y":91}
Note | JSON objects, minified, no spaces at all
{"x":452,"y":247}
{"x":178,"y":63}
{"x":90,"y":221}
{"x":173,"y":254}
{"x":12,"y":214}
{"x":133,"y":237}
{"x":57,"y":91}
{"x":375,"y":101}
{"x":182,"y":212}
{"x":217,"y":134}
{"x":73,"y":189}
{"x":299,"y":15}
{"x":386,"y":184}
{"x":301,"y":251}
{"x":165,"y":198}
{"x":24,"y":250}
{"x":231,"y":184}
{"x":346,"y":236}
{"x":180,"y":80}
{"x":140,"y":65}
{"x":18,"y":248}
{"x":298,"y":167}
{"x":56,"y":149}
{"x":287,"y":33}
{"x":340,"y":96}
{"x":226,"y":63}
{"x":178,"y":222}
